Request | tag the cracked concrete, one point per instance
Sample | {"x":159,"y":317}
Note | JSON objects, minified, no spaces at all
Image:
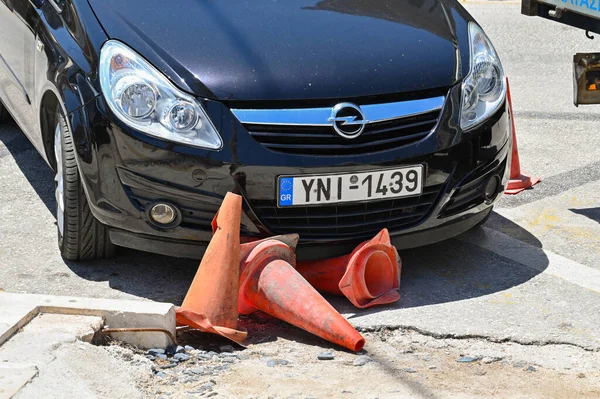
{"x":492,"y":296}
{"x":67,"y":365}
{"x":410,"y":329}
{"x":551,"y":355}
{"x":401,"y":364}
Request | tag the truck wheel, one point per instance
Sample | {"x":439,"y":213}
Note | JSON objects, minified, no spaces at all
{"x":80,"y":235}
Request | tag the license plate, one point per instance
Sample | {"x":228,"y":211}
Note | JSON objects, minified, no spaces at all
{"x":350,"y":187}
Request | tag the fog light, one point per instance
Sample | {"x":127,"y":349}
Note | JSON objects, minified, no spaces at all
{"x":491,"y":188}
{"x":163,"y":214}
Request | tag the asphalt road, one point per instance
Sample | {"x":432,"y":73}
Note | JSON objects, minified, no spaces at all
{"x":531,"y":276}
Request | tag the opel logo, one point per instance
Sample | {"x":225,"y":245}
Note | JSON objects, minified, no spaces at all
{"x":347,"y":120}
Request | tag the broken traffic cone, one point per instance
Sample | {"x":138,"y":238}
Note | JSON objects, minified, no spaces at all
{"x":518,"y":181}
{"x":211,"y":302}
{"x":369,"y":276}
{"x":270,"y":283}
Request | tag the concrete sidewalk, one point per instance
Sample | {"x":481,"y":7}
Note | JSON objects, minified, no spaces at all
{"x":44,"y":336}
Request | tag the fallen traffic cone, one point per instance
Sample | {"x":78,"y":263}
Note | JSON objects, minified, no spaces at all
{"x":211,"y":302}
{"x":518,"y":181}
{"x":270,"y":283}
{"x":369,"y":276}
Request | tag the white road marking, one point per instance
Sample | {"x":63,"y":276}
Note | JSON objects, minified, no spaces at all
{"x":536,"y":258}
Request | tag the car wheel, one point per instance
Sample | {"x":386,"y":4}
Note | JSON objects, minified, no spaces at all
{"x":80,"y":235}
{"x":3,"y":113}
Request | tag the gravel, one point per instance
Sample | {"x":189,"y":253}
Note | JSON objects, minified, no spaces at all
{"x":188,"y":348}
{"x":170,"y":350}
{"x":181,"y":357}
{"x":277,"y":362}
{"x":198,"y":370}
{"x":361,"y":360}
{"x":488,"y":360}
{"x":466,"y":359}
{"x":179,"y":349}
{"x":156,"y":351}
{"x":326,"y":356}
{"x":226,"y":348}
{"x":409,"y":370}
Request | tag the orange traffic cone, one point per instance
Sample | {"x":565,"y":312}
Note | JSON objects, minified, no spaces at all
{"x":518,"y":181}
{"x":369,"y":276}
{"x":270,"y":283}
{"x":211,"y":302}
{"x":291,"y":240}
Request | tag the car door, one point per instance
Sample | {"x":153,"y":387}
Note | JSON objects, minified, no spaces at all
{"x":18,"y":22}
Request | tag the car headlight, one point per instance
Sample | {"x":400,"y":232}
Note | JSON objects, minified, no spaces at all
{"x":141,"y":97}
{"x":484,"y":89}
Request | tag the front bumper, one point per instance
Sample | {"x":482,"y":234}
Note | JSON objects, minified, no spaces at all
{"x":124,"y":171}
{"x":195,"y":250}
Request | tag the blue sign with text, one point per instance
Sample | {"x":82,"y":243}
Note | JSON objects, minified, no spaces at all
{"x":286,"y":191}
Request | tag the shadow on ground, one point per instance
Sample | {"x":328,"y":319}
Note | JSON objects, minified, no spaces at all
{"x":457,"y":270}
{"x":145,"y":275}
{"x":30,"y":162}
{"x":591,"y":213}
{"x":449,"y":271}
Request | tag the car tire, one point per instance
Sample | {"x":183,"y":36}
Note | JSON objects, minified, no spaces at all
{"x":80,"y":235}
{"x":3,"y":113}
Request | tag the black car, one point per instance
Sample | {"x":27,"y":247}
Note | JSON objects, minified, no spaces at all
{"x":332,"y":118}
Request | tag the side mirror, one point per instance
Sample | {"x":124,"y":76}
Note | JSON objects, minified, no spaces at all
{"x":586,"y":78}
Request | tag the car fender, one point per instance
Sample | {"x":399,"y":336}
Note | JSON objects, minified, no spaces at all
{"x":66,"y":62}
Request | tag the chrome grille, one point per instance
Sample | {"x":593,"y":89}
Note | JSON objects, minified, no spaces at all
{"x":309,"y":132}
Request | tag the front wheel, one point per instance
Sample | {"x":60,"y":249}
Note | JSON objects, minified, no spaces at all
{"x":80,"y":235}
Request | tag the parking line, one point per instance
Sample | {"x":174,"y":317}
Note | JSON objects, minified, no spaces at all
{"x":536,"y":258}
{"x":554,"y":185}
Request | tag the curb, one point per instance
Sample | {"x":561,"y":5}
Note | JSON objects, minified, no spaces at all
{"x":16,"y":310}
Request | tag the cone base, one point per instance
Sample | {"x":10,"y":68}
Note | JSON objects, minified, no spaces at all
{"x":199,"y":321}
{"x":521,"y":183}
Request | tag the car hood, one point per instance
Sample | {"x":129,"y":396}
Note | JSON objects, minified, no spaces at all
{"x":290,"y":49}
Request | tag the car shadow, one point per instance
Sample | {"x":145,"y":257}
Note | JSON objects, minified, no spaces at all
{"x":30,"y":162}
{"x":140,"y":274}
{"x":449,"y":271}
{"x":590,"y":213}
{"x":457,"y":270}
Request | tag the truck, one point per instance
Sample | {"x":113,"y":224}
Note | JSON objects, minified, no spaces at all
{"x":582,"y":14}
